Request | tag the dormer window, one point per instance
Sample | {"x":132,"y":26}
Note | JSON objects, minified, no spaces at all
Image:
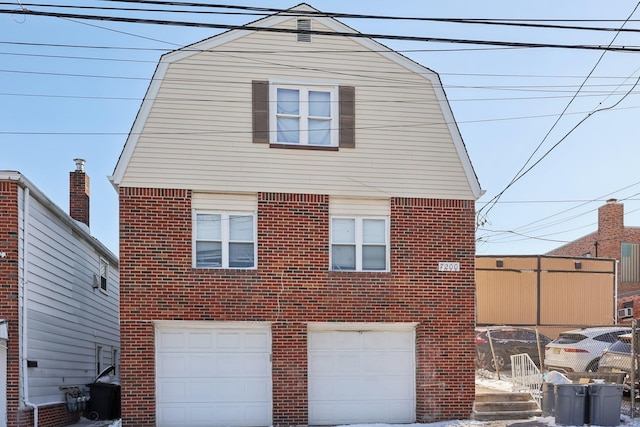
{"x":305,"y":116}
{"x":295,"y":115}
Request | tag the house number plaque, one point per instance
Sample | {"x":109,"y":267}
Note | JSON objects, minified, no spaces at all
{"x":448,"y":266}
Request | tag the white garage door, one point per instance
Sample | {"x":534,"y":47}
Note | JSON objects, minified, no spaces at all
{"x":213,"y":374}
{"x":361,"y":373}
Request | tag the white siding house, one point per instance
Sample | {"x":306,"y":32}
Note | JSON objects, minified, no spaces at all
{"x":63,"y":327}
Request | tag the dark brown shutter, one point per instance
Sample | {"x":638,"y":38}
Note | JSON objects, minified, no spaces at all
{"x":260,"y":106}
{"x":347,"y":121}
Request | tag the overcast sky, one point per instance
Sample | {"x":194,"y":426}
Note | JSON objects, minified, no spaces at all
{"x":71,"y":88}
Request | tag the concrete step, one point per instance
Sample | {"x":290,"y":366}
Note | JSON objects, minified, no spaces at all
{"x":505,"y":406}
{"x":530,"y":405}
{"x":503,"y":397}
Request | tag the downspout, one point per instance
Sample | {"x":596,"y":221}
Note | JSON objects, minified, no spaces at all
{"x":22,"y":310}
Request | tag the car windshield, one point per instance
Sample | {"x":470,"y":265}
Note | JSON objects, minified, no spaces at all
{"x":568,"y":338}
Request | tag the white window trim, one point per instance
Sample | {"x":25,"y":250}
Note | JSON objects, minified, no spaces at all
{"x":304,"y":89}
{"x":99,"y":359}
{"x":224,"y":215}
{"x":106,"y":275}
{"x":359,"y":242}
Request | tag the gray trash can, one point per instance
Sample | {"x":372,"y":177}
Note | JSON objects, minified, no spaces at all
{"x":548,"y":400}
{"x":571,"y":401}
{"x":605,"y":401}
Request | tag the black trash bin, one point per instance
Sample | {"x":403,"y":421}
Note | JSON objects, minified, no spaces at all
{"x":104,"y":398}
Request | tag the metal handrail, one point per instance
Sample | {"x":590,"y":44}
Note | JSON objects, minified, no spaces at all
{"x":526,"y":377}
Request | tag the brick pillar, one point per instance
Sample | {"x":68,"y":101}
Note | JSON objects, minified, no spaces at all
{"x":79,"y":193}
{"x":610,"y":229}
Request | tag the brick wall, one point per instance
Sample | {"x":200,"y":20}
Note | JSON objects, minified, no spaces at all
{"x":606,"y":242}
{"x":9,"y":292}
{"x":292,"y":286}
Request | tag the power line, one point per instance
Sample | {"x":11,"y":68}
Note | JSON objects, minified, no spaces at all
{"x":323,"y":33}
{"x":522,"y":172}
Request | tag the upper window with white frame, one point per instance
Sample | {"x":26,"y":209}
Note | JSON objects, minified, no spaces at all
{"x":305,"y":115}
{"x":359,"y":244}
{"x":225,"y":240}
{"x":104,"y":274}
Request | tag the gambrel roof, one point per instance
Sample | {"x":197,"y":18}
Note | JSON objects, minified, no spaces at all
{"x":196,"y":107}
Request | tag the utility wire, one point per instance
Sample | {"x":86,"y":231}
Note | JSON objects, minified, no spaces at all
{"x":522,"y":172}
{"x":267,"y":11}
{"x":323,"y":33}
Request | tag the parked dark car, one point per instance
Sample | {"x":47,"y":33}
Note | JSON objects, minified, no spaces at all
{"x":507,"y":341}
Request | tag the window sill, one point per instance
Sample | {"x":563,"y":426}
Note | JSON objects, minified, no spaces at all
{"x":359,"y":271}
{"x":304,"y":147}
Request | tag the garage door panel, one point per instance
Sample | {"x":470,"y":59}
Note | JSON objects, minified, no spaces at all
{"x":171,"y":390}
{"x":173,"y":364}
{"x":200,"y":340}
{"x":346,"y":363}
{"x":363,"y":376}
{"x":320,"y":362}
{"x":347,"y":340}
{"x":256,"y":391}
{"x":213,"y":376}
{"x":255,"y":364}
{"x":320,"y":341}
{"x":394,"y":363}
{"x":256,"y":341}
{"x":228,"y":341}
{"x":320,"y":389}
{"x":170,"y":340}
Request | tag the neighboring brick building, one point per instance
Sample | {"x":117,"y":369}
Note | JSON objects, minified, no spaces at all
{"x":296,"y":236}
{"x":613,"y":240}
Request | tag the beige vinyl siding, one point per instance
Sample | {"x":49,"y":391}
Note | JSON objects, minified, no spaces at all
{"x":225,"y":202}
{"x":198,"y":131}
{"x":339,"y":206}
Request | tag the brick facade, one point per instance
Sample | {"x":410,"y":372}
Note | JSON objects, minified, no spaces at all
{"x":292,"y":286}
{"x":606,"y":242}
{"x":9,"y":293}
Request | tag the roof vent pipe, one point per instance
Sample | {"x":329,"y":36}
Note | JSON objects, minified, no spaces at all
{"x":79,"y":164}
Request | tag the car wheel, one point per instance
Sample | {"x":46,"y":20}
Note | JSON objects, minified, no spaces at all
{"x":593,"y":365}
{"x":499,"y":362}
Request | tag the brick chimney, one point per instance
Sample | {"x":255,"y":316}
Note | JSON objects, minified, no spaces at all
{"x":79,"y":193}
{"x":611,"y":217}
{"x":610,"y":228}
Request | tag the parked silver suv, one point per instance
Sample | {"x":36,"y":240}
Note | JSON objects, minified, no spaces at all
{"x":617,"y":359}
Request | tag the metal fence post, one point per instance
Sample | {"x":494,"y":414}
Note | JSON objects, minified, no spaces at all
{"x":634,"y":364}
{"x":493,"y":353}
